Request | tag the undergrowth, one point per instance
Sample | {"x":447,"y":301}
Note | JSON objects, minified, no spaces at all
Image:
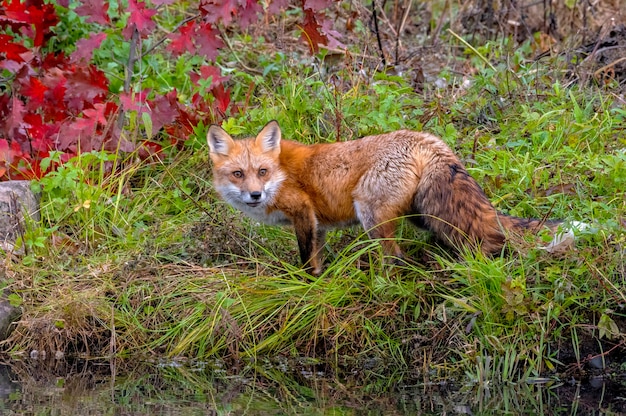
{"x":135,"y":257}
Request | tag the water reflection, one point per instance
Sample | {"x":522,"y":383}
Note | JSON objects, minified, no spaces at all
{"x":172,"y":389}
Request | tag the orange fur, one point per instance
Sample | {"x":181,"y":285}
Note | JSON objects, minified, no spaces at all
{"x":373,"y":180}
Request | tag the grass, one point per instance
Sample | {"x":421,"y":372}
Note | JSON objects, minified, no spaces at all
{"x":148,"y":261}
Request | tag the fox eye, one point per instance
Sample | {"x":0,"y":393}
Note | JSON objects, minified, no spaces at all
{"x":262,"y":172}
{"x":238,"y":174}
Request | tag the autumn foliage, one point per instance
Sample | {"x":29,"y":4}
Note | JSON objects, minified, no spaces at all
{"x":58,"y":100}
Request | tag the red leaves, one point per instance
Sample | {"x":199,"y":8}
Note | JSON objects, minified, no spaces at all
{"x":194,"y":38}
{"x":10,"y":50}
{"x":207,"y":41}
{"x":206,"y":72}
{"x":222,"y":98}
{"x":183,"y":42}
{"x":163,"y":109}
{"x":96,"y":11}
{"x":214,"y":11}
{"x":13,"y":122}
{"x":140,"y":19}
{"x":311,"y":31}
{"x":314,"y":32}
{"x":225,"y":11}
{"x":35,"y":90}
{"x":32,"y":18}
{"x":249,"y":13}
{"x":85,"y":47}
{"x":53,"y":104}
{"x":10,"y":153}
{"x":85,"y":86}
{"x":276,"y":6}
{"x":58,"y":102}
{"x":210,"y":79}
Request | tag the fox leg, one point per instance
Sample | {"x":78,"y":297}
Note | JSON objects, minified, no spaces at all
{"x":310,"y":243}
{"x":320,"y":240}
{"x":379,"y":225}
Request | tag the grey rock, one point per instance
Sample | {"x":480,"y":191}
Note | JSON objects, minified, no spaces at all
{"x":8,"y":315}
{"x":17,"y":202}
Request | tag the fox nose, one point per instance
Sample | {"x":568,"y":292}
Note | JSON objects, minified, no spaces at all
{"x":256,"y":195}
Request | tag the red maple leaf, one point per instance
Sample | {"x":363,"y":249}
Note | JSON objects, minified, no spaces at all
{"x":32,"y":18}
{"x":6,"y":153}
{"x":11,"y":50}
{"x":140,"y":19}
{"x":56,"y":82}
{"x":96,"y":11}
{"x":11,"y":155}
{"x":208,"y":42}
{"x":40,"y":133}
{"x":82,"y":132}
{"x":54,"y":61}
{"x":85,"y":86}
{"x":35,"y":90}
{"x":331,"y":35}
{"x":85,"y":47}
{"x":311,"y":31}
{"x":222,"y":98}
{"x":184,"y":125}
{"x":249,"y":13}
{"x":15,"y":14}
{"x":134,"y":101}
{"x":14,"y":123}
{"x":43,"y":17}
{"x":91,"y":118}
{"x":183,"y":41}
{"x":207,"y":71}
{"x":148,"y":149}
{"x":218,"y":10}
{"x":110,"y":109}
{"x":163,"y":110}
{"x":276,"y":6}
{"x":316,"y":5}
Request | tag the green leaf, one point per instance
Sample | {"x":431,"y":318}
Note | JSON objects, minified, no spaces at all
{"x":15,"y":300}
{"x":147,"y":124}
{"x":607,"y":327}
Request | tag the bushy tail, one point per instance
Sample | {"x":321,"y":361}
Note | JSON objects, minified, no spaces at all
{"x":450,"y":203}
{"x":519,"y":225}
{"x":515,"y":225}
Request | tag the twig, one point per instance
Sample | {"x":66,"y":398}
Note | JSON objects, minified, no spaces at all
{"x":592,"y":55}
{"x":440,"y":22}
{"x":467,"y":45}
{"x":164,"y":38}
{"x":380,"y":45}
{"x":605,"y":67}
{"x":401,"y":28}
{"x":132,"y":58}
{"x":230,"y":46}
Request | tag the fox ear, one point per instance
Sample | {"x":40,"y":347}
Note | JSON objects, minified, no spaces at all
{"x":219,"y":141}
{"x":268,"y":139}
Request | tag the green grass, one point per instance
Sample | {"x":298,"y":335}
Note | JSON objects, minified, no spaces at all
{"x":148,"y":261}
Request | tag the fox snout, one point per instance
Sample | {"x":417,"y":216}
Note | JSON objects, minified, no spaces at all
{"x":254,"y":198}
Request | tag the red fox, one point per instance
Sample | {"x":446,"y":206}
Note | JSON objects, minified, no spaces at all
{"x":373,"y":180}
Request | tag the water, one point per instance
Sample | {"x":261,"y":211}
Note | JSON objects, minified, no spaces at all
{"x":172,"y":389}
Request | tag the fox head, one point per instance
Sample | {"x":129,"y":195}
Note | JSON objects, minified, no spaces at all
{"x":246,"y":172}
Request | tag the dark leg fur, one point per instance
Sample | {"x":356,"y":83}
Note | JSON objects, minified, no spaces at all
{"x":305,"y":245}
